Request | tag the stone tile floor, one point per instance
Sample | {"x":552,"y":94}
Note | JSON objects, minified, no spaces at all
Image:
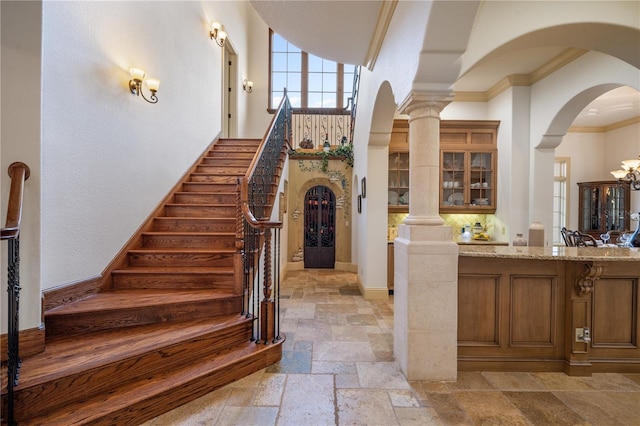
{"x":338,"y":368}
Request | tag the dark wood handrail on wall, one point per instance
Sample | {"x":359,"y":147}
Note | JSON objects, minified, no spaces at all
{"x":256,"y":232}
{"x":19,"y":173}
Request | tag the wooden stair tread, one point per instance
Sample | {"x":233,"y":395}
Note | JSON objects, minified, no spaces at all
{"x":68,"y":355}
{"x":123,"y":298}
{"x":198,"y":205}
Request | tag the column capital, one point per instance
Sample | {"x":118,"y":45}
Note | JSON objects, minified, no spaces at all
{"x":425,"y":104}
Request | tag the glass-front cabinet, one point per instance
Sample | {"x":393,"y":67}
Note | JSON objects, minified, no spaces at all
{"x":468,"y":164}
{"x":603,"y":206}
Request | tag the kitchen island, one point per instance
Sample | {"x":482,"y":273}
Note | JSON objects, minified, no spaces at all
{"x":527,"y":309}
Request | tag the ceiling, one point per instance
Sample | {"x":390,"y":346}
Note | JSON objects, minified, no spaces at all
{"x":356,"y":39}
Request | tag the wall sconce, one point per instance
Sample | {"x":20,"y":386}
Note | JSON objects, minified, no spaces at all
{"x":247,"y":85}
{"x":630,"y":172}
{"x":218,"y":33}
{"x":135,"y":85}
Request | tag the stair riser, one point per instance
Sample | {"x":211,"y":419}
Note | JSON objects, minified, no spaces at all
{"x":205,"y":198}
{"x":39,"y":400}
{"x":229,"y":154}
{"x":232,"y":149}
{"x":210,"y":187}
{"x":155,"y":405}
{"x":200,"y":211}
{"x":189,"y":241}
{"x":80,"y":323}
{"x":209,"y":178}
{"x":222,"y":170}
{"x":133,"y":280}
{"x":181,"y":259}
{"x":194,"y":225}
{"x":227,"y":161}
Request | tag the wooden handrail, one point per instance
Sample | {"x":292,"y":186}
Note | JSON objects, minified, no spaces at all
{"x":19,"y":173}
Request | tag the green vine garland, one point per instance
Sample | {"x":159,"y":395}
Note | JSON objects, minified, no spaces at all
{"x":344,"y":151}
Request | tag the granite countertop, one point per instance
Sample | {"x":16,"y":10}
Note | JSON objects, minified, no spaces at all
{"x":473,"y":242}
{"x":552,"y":253}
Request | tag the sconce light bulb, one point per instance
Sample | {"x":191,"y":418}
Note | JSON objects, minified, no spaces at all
{"x":153,"y":84}
{"x":137,"y":74}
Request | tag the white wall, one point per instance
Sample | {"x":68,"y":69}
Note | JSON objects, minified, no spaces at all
{"x":110,"y":157}
{"x":20,"y":141}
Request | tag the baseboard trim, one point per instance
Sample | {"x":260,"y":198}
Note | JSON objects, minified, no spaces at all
{"x":67,"y":293}
{"x":31,"y":342}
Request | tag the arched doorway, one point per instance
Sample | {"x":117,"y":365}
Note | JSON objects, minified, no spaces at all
{"x":319,"y":228}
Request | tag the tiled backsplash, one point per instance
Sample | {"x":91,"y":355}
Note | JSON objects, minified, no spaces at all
{"x":456,"y":221}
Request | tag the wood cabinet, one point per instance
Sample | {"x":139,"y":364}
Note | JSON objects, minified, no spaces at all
{"x":603,"y":206}
{"x":468,"y":166}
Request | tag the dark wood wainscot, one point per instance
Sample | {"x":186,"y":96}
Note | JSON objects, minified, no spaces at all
{"x":526,"y":309}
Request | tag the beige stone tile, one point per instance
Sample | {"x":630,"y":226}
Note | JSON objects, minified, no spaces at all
{"x":381,"y":341}
{"x":610,"y":381}
{"x":351,"y":333}
{"x":381,"y":375}
{"x":470,"y":380}
{"x":252,"y":380}
{"x":308,"y":399}
{"x":270,"y":389}
{"x":404,"y":398}
{"x":417,"y":417}
{"x":362,"y":319}
{"x":241,"y":396}
{"x":243,"y":416}
{"x":347,"y":381}
{"x":489,"y":407}
{"x":597,"y":408}
{"x":630,"y":400}
{"x":331,"y":367}
{"x":561,"y":381}
{"x":343,"y":351}
{"x":365,"y":407}
{"x":513,"y":381}
{"x":544,"y":408}
{"x":633,"y":377}
{"x":204,"y":410}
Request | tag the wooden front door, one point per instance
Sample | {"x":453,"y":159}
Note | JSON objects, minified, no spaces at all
{"x":319,"y":228}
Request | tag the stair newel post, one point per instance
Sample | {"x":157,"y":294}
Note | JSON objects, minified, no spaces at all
{"x":267,"y":308}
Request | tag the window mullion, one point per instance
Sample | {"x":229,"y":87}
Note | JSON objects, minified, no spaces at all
{"x":304,"y":83}
{"x":340,"y":86}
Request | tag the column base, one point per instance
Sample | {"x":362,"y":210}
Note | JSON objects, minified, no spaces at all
{"x":425,"y":341}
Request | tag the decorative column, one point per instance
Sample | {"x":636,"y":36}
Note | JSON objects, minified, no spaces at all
{"x":426,"y":257}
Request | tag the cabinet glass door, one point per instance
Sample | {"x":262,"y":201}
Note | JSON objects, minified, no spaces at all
{"x":398,"y":179}
{"x":615,"y":208}
{"x":453,"y":179}
{"x":480,"y":178}
{"x":591,"y":209}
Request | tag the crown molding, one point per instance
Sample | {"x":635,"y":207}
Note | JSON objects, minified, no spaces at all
{"x":604,"y":129}
{"x":379,"y":32}
{"x":515,"y":80}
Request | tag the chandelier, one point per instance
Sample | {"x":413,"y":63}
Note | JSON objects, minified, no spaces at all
{"x":630,"y":172}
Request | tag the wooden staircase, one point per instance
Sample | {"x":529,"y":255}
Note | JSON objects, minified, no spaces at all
{"x":168,"y":325}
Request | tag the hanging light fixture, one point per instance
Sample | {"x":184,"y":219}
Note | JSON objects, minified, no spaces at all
{"x":630,"y":171}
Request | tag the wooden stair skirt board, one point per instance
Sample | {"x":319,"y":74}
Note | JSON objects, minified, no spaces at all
{"x":164,"y":326}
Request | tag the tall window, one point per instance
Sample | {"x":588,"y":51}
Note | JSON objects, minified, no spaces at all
{"x":560,"y":198}
{"x":311,"y":81}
